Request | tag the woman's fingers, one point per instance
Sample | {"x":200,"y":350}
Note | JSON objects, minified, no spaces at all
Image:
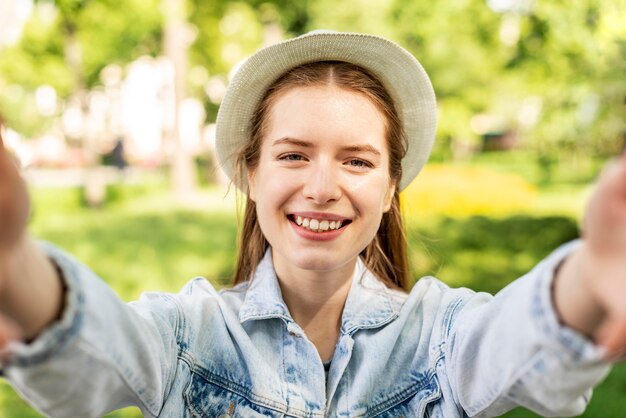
{"x":606,"y":275}
{"x":605,"y":219}
{"x":611,"y":335}
{"x":9,"y":331}
{"x":604,"y":230}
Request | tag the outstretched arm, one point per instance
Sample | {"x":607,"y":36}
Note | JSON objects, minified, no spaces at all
{"x":31,"y":292}
{"x":531,"y":345}
{"x":68,"y":344}
{"x":590,"y":287}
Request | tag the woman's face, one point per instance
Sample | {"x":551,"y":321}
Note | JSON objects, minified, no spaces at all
{"x":322,"y":182}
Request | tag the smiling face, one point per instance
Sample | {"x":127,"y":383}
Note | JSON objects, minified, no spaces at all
{"x":322,"y":181}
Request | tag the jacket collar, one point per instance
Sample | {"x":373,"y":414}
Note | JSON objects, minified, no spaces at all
{"x":370,"y":304}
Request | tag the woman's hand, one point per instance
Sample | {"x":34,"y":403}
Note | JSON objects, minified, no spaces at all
{"x":590,"y":289}
{"x":604,"y":230}
{"x":14,"y":210}
{"x":14,"y":202}
{"x":31,"y":293}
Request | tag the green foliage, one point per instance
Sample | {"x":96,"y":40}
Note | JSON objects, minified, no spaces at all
{"x":38,"y":59}
{"x":562,"y":60}
{"x":485,"y":253}
{"x":105,"y":36}
{"x":569,"y":56}
{"x":98,"y":34}
{"x":151,"y":247}
{"x":110,"y":37}
{"x":228,"y":31}
{"x":293,"y":16}
{"x":369,"y":16}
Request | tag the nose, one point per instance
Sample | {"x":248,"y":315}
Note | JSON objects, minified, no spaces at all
{"x":322,"y":185}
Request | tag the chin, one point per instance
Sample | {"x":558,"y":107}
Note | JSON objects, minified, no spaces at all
{"x":320,"y":262}
{"x":315,"y":263}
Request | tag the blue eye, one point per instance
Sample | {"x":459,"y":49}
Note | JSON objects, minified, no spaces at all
{"x":291,"y":157}
{"x":359,"y":163}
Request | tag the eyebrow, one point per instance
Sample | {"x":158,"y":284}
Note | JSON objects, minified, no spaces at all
{"x":305,"y":144}
{"x":362,"y":148}
{"x":292,"y":141}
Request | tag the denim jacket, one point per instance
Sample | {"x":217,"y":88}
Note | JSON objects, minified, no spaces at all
{"x":435,"y":352}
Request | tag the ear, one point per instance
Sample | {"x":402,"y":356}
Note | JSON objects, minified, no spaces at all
{"x":389,"y":196}
{"x":251,"y":185}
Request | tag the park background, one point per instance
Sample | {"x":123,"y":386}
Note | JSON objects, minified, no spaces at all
{"x":109,"y":105}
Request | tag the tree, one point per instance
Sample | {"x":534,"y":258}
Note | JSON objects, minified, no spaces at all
{"x":67,"y":43}
{"x":565,"y":59}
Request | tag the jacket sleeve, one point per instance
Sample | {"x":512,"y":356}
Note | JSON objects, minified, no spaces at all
{"x":101,"y":355}
{"x":511,"y":350}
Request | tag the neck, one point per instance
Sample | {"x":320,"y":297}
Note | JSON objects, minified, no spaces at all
{"x":315,"y":300}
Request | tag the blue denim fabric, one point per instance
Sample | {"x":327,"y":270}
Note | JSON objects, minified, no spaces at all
{"x":435,"y":352}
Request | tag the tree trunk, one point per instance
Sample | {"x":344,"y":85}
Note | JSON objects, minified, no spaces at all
{"x":183,"y":168}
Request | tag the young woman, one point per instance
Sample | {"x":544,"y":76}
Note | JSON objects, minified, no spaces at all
{"x":321,"y":133}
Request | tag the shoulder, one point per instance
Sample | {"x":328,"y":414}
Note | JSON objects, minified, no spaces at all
{"x":432,"y":291}
{"x":438,"y":303}
{"x":198,"y":297}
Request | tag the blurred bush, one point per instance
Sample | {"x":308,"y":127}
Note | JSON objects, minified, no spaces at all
{"x":485,"y":253}
{"x":463,"y":191}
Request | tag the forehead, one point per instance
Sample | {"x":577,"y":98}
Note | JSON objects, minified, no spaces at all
{"x":317,"y":112}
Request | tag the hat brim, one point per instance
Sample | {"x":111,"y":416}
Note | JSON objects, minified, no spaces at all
{"x":399,"y":72}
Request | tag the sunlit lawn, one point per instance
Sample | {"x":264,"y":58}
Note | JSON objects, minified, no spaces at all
{"x":143,"y":239}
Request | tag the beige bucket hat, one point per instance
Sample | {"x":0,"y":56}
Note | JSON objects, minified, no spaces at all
{"x":397,"y":69}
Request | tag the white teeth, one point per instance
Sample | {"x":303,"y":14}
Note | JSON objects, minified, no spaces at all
{"x":317,"y":225}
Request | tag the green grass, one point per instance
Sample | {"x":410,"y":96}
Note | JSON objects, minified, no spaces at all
{"x":143,"y":239}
